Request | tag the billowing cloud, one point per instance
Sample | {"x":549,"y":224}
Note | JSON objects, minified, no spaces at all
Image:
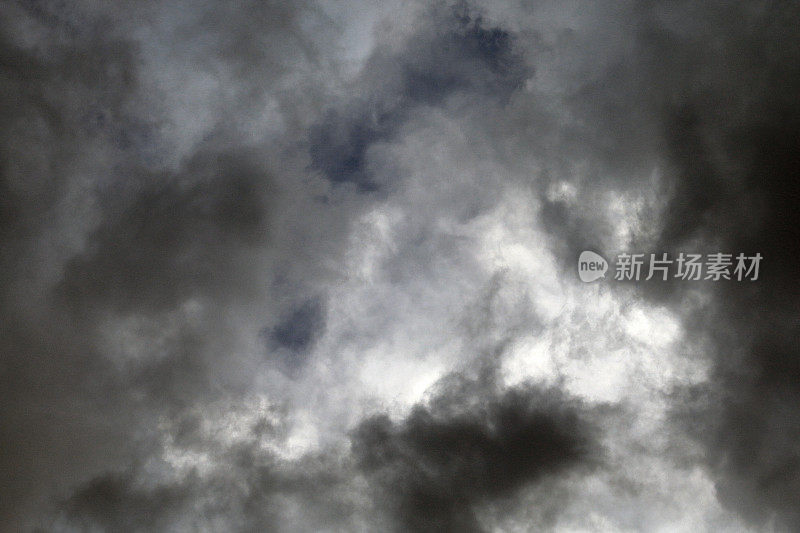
{"x":468,"y":449}
{"x":311,"y":266}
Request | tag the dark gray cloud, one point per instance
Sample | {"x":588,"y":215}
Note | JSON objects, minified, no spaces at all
{"x":51,"y":376}
{"x":96,"y":229}
{"x":201,"y":311}
{"x":111,"y":503}
{"x":470,"y":447}
{"x":710,"y":91}
{"x":172,"y":236}
{"x":732,"y":147}
{"x":249,"y":493}
{"x":736,"y":188}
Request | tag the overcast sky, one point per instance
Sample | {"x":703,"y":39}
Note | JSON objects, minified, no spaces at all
{"x":312,"y":266}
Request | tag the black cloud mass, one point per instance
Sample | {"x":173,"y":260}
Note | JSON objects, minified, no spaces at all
{"x":311,"y":266}
{"x":446,"y":458}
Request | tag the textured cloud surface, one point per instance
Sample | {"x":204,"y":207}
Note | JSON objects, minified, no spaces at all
{"x":311,"y":266}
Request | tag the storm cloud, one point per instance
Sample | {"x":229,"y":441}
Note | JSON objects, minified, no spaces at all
{"x":310,"y":266}
{"x":467,"y":449}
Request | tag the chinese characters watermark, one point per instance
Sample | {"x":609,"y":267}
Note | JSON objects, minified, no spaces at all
{"x":662,"y":267}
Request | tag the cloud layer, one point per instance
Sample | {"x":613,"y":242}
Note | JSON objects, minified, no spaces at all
{"x":311,"y":266}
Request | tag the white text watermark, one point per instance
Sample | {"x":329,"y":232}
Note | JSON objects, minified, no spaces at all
{"x":684,"y":266}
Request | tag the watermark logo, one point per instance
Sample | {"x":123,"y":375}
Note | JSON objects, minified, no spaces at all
{"x":591,"y":266}
{"x":689,"y":267}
